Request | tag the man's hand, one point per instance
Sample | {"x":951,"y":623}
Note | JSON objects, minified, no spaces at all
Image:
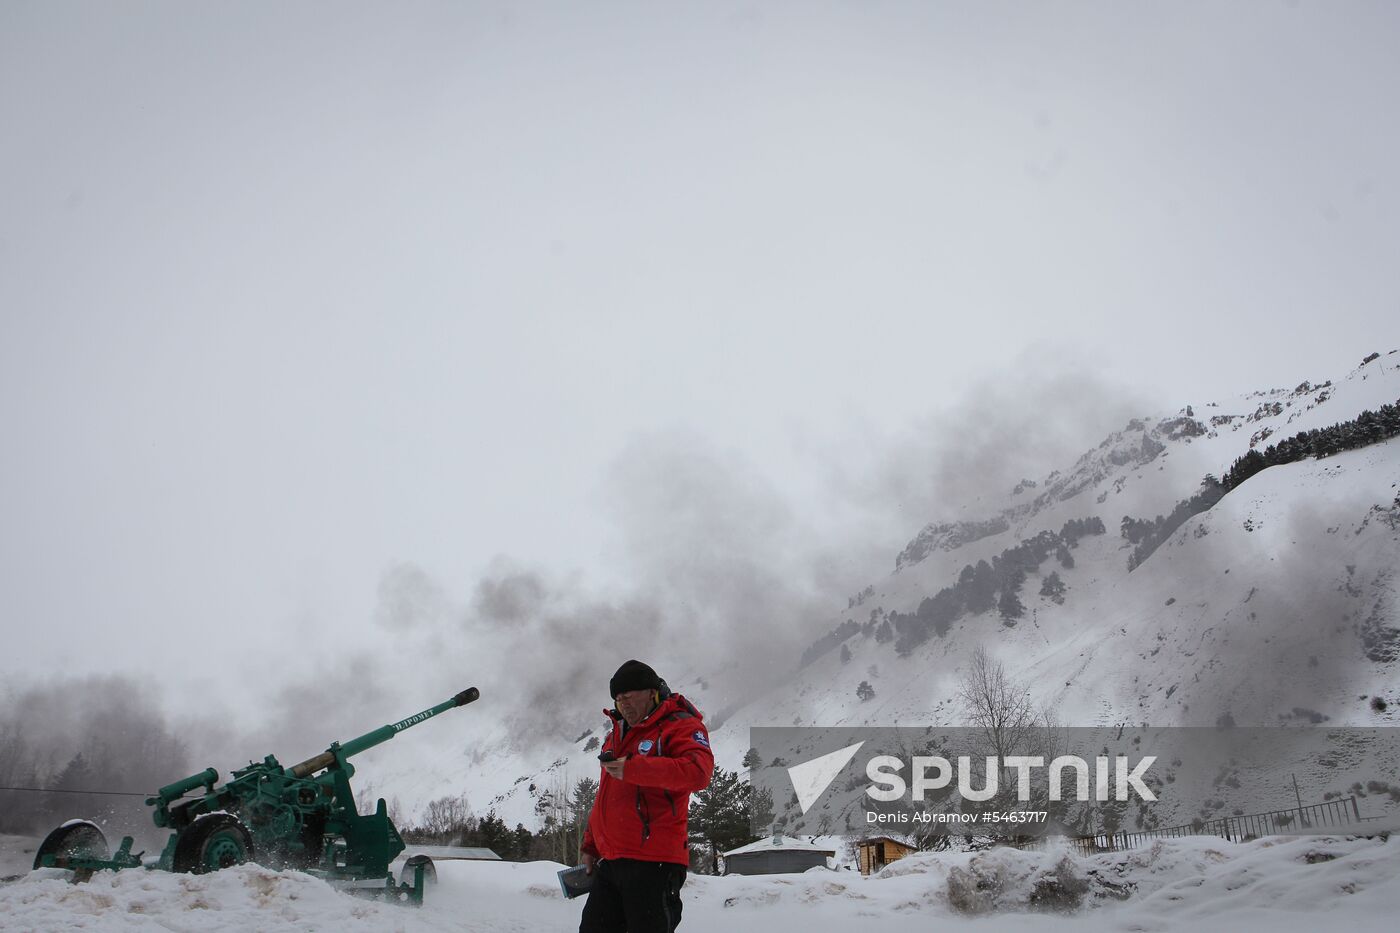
{"x":589,"y":860}
{"x":616,"y":766}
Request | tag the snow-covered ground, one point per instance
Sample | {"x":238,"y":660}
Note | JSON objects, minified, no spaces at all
{"x":1283,"y":884}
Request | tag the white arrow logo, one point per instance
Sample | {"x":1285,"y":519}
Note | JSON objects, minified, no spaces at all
{"x":811,"y":778}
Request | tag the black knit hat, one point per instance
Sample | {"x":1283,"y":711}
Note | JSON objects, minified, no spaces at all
{"x":634,"y":675}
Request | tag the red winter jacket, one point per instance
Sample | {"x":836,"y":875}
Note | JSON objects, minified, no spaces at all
{"x":643,"y":816}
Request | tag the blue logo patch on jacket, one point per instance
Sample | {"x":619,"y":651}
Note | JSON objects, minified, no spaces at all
{"x":644,"y":747}
{"x":700,"y":737}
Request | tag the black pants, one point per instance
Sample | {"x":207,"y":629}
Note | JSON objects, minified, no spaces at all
{"x":629,"y":896}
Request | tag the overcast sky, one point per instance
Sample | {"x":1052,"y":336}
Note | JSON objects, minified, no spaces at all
{"x":295,"y":294}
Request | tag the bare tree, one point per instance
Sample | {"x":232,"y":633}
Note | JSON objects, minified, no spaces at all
{"x":997,"y":706}
{"x":1009,"y":723}
{"x":447,"y":818}
{"x":563,"y":813}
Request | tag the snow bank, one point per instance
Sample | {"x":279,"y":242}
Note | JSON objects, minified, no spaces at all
{"x":244,"y":898}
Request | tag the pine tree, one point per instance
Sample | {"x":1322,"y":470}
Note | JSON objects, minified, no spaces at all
{"x":522,"y":843}
{"x":1065,"y":558}
{"x":1010,"y":607}
{"x":981,"y":594}
{"x":720,"y":816}
{"x":493,"y":835}
{"x":76,"y":775}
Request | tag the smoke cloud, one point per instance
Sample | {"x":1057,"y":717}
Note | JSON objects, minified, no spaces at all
{"x":729,"y":572}
{"x":83,"y":734}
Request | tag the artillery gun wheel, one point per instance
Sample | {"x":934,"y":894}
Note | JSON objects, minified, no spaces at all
{"x":214,"y":841}
{"x":75,"y":838}
{"x":429,"y":872}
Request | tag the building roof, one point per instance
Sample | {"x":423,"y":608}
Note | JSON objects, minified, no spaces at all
{"x":885,"y":839}
{"x":779,"y":843}
{"x":451,"y":852}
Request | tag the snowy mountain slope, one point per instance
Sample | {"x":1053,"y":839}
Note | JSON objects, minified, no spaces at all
{"x":1116,"y":647}
{"x":1278,"y":605}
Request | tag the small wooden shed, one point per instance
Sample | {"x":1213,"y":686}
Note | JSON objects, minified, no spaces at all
{"x":878,"y":851}
{"x":774,"y":856}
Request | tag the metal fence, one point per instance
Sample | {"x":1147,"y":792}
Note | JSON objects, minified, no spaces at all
{"x":1333,"y":813}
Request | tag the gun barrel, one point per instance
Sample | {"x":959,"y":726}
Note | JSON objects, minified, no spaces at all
{"x":207,"y":777}
{"x":381,"y":735}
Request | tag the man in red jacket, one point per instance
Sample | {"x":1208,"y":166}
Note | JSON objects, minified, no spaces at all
{"x":635,"y":846}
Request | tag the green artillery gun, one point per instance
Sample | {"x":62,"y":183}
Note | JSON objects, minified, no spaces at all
{"x":301,"y":817}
